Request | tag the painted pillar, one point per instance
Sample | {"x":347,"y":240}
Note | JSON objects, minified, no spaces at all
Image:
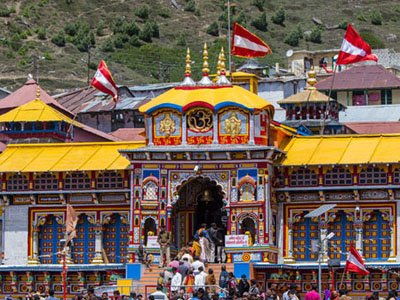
{"x":149,"y":130}
{"x":289,"y":255}
{"x":215,"y":129}
{"x":98,"y":258}
{"x":33,"y":259}
{"x":251,"y":128}
{"x":392,"y":256}
{"x":323,"y":229}
{"x":358,"y":226}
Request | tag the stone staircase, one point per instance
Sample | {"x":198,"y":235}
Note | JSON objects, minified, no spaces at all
{"x":148,"y":281}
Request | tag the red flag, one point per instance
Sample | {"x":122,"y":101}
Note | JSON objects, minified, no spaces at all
{"x":246,"y":44}
{"x":354,"y":48}
{"x":104,"y":82}
{"x":355,"y":263}
{"x":70,"y":223}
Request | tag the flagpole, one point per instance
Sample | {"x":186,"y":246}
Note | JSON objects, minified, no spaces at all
{"x":64,"y":266}
{"x":229,"y":39}
{"x":341,"y":281}
{"x":327,"y":105}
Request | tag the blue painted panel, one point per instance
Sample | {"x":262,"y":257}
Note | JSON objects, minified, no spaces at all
{"x":147,"y":173}
{"x":49,"y":236}
{"x":250,"y":172}
{"x":240,"y":269}
{"x":116,"y":240}
{"x":83,"y":250}
{"x":133,"y":271}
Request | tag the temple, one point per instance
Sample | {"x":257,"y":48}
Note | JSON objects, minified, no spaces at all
{"x":211,"y":154}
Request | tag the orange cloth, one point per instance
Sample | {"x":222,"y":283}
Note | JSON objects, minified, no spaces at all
{"x":189,"y":282}
{"x":197,"y":248}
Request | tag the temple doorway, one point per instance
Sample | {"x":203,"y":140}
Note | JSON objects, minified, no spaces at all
{"x":200,"y":201}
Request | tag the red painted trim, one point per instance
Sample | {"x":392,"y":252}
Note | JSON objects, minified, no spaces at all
{"x":191,"y":88}
{"x":197,"y":104}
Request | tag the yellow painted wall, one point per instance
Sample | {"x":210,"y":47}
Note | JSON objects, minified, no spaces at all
{"x":396,"y":96}
{"x":342,"y":98}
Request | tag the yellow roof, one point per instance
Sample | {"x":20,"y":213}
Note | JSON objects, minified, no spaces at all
{"x":214,"y":97}
{"x":306,"y":96}
{"x":346,"y":149}
{"x":61,"y":157}
{"x":35,"y":111}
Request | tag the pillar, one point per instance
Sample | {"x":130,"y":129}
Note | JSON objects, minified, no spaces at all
{"x":98,"y":246}
{"x":289,"y":256}
{"x":184,"y":131}
{"x":251,"y":141}
{"x":392,"y":256}
{"x":358,"y":226}
{"x":33,"y":259}
{"x":323,"y":229}
{"x":215,"y":129}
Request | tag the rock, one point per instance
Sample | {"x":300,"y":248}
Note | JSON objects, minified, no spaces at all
{"x":317,"y":21}
{"x":391,"y":37}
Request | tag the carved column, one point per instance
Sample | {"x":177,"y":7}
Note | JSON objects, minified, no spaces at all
{"x":215,"y":129}
{"x":33,"y":259}
{"x":358,"y":227}
{"x":392,"y":256}
{"x":323,"y":229}
{"x":251,"y":141}
{"x":98,"y":258}
{"x":184,"y":131}
{"x":289,"y":257}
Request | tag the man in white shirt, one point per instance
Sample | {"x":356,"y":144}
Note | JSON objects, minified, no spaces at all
{"x":159,"y":295}
{"x":176,"y":280}
{"x":196,"y":265}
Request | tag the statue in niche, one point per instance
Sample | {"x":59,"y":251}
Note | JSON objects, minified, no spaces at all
{"x":167,"y":125}
{"x":233,"y":125}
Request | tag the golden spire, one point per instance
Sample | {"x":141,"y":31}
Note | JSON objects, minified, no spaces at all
{"x":219,"y":64}
{"x":311,"y":79}
{"x":223,"y":70}
{"x":188,"y":69}
{"x":188,"y":81}
{"x":205,"y":69}
{"x":222,"y":80}
{"x":38,"y":93}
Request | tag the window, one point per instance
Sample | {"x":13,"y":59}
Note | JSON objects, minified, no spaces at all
{"x":338,"y":176}
{"x":50,"y":235}
{"x":303,"y":177}
{"x":150,"y":190}
{"x":359,"y":98}
{"x":17,"y":182}
{"x":46,"y":181}
{"x":344,"y":232}
{"x":110,"y":180}
{"x":373,"y":175}
{"x":77,"y":181}
{"x":396,"y":176}
{"x":386,"y":96}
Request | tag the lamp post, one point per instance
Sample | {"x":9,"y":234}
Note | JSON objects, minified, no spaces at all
{"x":321,"y":252}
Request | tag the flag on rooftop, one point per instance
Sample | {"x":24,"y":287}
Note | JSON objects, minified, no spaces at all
{"x":354,"y":48}
{"x":104,"y":82}
{"x":355,"y":263}
{"x":246,"y":44}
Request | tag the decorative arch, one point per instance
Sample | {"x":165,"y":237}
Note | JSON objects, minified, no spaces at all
{"x":248,"y":224}
{"x":179,"y":179}
{"x":150,"y":188}
{"x":247,"y":188}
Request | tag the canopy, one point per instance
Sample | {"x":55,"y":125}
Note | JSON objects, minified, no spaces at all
{"x":61,"y":157}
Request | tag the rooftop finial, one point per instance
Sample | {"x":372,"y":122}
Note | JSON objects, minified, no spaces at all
{"x":219,"y":64}
{"x":188,"y":69}
{"x":205,"y":69}
{"x":222,"y":80}
{"x":188,"y":81}
{"x":38,"y":93}
{"x":311,"y":79}
{"x":205,"y":80}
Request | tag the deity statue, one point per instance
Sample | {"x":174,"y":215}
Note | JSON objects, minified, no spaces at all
{"x":233,"y":125}
{"x":167,"y":125}
{"x":250,"y":240}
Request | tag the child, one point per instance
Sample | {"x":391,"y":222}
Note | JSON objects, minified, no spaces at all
{"x":143,"y":257}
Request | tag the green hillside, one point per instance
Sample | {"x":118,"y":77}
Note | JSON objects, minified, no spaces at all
{"x":144,"y":41}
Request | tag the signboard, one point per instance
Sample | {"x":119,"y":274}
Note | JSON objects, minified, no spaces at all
{"x":152,"y":242}
{"x":49,"y":199}
{"x":239,"y":240}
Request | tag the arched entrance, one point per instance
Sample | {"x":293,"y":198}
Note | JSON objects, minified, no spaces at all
{"x":200,"y":201}
{"x":150,"y":228}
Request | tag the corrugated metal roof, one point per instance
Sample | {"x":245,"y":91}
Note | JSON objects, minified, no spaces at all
{"x":361,"y":77}
{"x":374,"y":127}
{"x":35,"y":111}
{"x":62,"y":157}
{"x":346,"y":149}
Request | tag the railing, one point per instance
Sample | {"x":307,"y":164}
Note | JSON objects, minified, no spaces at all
{"x":147,"y":290}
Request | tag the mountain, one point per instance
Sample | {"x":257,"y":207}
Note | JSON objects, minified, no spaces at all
{"x":144,"y":41}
